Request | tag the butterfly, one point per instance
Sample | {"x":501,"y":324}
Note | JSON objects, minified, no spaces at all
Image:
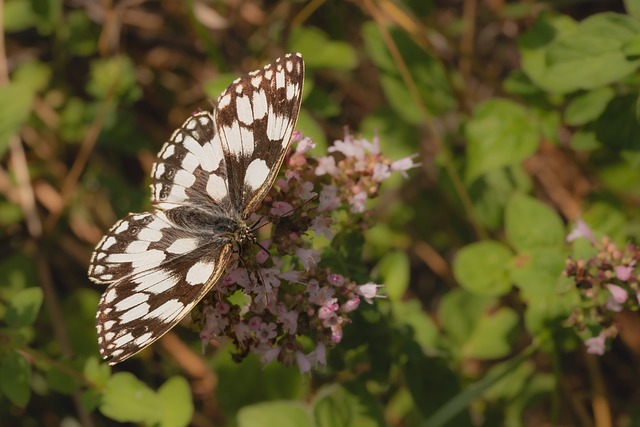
{"x":208,"y":179}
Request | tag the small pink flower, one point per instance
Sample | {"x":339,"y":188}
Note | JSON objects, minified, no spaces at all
{"x":281,"y":209}
{"x":350,"y":305}
{"x":327,"y":166}
{"x":306,"y":191}
{"x":581,"y":230}
{"x":305,"y":145}
{"x":328,"y":308}
{"x":222,"y":307}
{"x":242,"y":331}
{"x":618,"y":293}
{"x":623,"y":272}
{"x":404,"y":165}
{"x":358,"y":202}
{"x":266,"y":332}
{"x":270,"y":355}
{"x":369,"y":291}
{"x":254,"y":323}
{"x":262,"y":256}
{"x":304,"y":364}
{"x":319,"y":355}
{"x":335,"y":279}
{"x":289,"y":320}
{"x":328,"y":198}
{"x":381,"y":172}
{"x":322,"y":226}
{"x":309,"y":258}
{"x":596,"y":345}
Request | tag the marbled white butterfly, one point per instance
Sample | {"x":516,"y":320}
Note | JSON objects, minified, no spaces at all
{"x":208,"y":179}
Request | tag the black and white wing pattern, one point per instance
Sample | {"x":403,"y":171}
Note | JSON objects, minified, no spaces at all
{"x":208,"y":179}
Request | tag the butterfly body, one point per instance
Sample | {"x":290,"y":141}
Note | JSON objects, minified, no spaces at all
{"x":210,"y":176}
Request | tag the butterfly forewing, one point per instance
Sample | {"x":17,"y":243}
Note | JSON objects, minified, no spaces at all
{"x":210,"y":176}
{"x":255,"y":117}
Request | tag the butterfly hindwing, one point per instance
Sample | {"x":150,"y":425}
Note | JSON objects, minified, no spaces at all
{"x":255,"y":118}
{"x":208,"y":178}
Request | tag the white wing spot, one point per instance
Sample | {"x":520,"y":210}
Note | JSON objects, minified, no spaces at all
{"x":131,"y":301}
{"x":292,"y":89}
{"x":289,"y":66}
{"x":268,"y":74}
{"x":135,"y":313}
{"x":182,"y":246}
{"x":169,"y":309}
{"x":224,"y":101}
{"x":168,"y":151}
{"x":123,"y":226}
{"x":216,"y":187}
{"x":233,"y":138}
{"x":280,"y":80}
{"x":155,"y":282}
{"x":150,"y":235}
{"x":239,"y":88}
{"x":137,"y":246}
{"x":108,"y":242}
{"x":244,"y":110}
{"x":259,"y":104}
{"x":123,"y":340}
{"x":256,"y":81}
{"x":191,"y":124}
{"x":142,"y":339}
{"x":109,"y":297}
{"x":256,"y":174}
{"x":199,"y":273}
{"x":158,"y":170}
{"x":184,"y":178}
{"x":108,"y":324}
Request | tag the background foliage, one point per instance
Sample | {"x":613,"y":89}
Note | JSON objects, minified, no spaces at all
{"x":525,"y":117}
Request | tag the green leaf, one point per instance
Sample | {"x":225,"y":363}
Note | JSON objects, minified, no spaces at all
{"x":500,"y":133}
{"x":588,"y":56}
{"x":126,"y":399}
{"x":61,"y":381}
{"x":96,"y":372}
{"x":483,"y":268}
{"x":15,"y":107}
{"x":15,"y":373}
{"x":588,"y":106}
{"x":459,"y":312}
{"x":531,"y":224}
{"x":275,"y":414}
{"x":334,"y":407}
{"x":321,"y":52}
{"x":394,"y":269}
{"x":491,"y":336}
{"x":411,"y":312}
{"x":114,"y":76}
{"x":18,"y":16}
{"x":536,"y":271}
{"x":176,"y":400}
{"x":491,"y":192}
{"x":547,"y":312}
{"x":24,"y":307}
{"x":584,"y":140}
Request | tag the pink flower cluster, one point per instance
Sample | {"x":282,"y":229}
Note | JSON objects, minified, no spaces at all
{"x":608,"y":283}
{"x":281,"y":290}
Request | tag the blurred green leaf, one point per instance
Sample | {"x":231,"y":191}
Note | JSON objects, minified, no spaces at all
{"x":127,"y":399}
{"x":96,"y":371}
{"x":394,"y":269}
{"x":584,"y":139}
{"x":18,"y":16}
{"x":34,"y":74}
{"x":14,"y":378}
{"x":536,"y":271}
{"x":15,"y":106}
{"x":491,"y":192}
{"x":334,"y":407}
{"x":411,"y":313}
{"x":459,"y":312}
{"x":588,"y":106}
{"x":489,"y":257}
{"x":490,"y":338}
{"x":275,"y":414}
{"x":531,"y":224}
{"x":586,"y":56}
{"x":321,"y":52}
{"x":176,"y":401}
{"x":24,"y":307}
{"x":500,"y":133}
{"x":62,"y":382}
{"x":114,"y":76}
